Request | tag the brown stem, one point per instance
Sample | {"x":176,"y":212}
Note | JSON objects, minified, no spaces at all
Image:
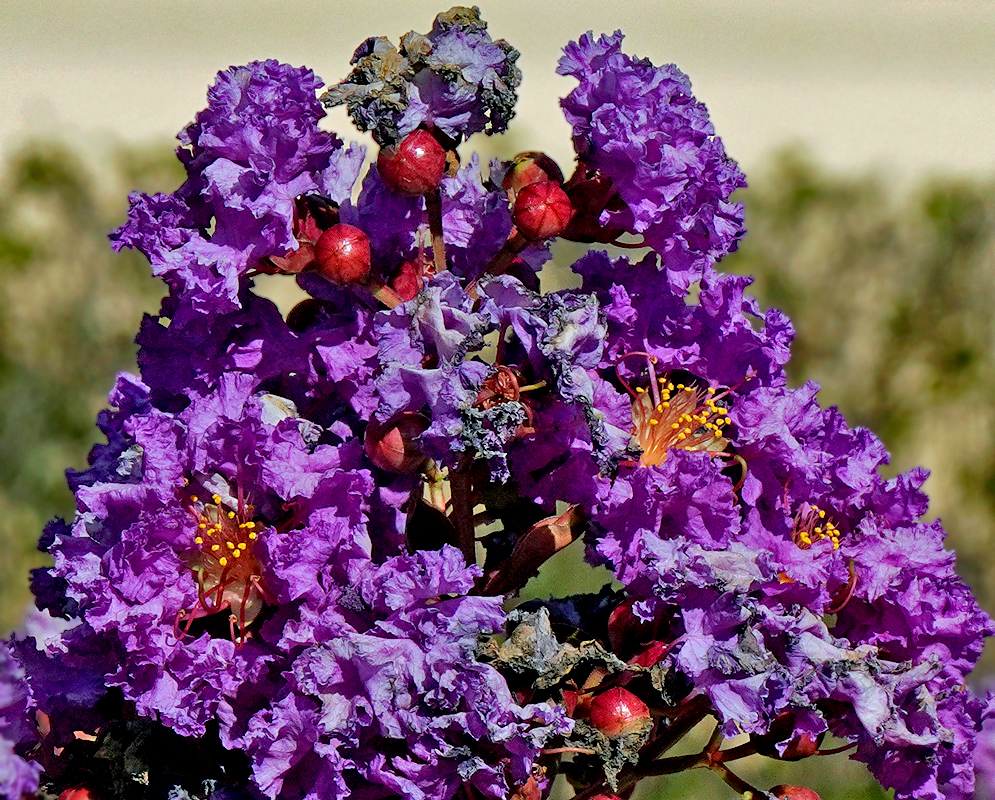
{"x":738,"y":785}
{"x":433,"y":205}
{"x":462,"y":513}
{"x":834,"y":750}
{"x":669,"y":766}
{"x":734,"y":753}
{"x":714,"y":741}
{"x":500,"y":263}
{"x":584,"y":751}
{"x":384,"y":293}
{"x":689,"y":715}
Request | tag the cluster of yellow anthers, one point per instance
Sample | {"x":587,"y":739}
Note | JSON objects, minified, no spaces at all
{"x":812,"y":525}
{"x":677,"y":415}
{"x":218,"y":529}
{"x":225,"y":565}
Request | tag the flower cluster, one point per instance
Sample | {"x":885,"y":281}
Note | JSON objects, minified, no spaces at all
{"x":289,"y":564}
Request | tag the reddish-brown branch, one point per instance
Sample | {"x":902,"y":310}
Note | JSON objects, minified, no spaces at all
{"x":690,"y":714}
{"x":433,"y":205}
{"x":462,"y":510}
{"x":734,"y":753}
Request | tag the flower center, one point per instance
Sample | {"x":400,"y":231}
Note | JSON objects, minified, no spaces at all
{"x":226,"y":565}
{"x":676,"y":415}
{"x":812,"y":525}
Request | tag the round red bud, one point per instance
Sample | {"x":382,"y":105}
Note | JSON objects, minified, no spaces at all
{"x":530,"y":167}
{"x":618,"y":712}
{"x":542,"y":210}
{"x":413,"y":166}
{"x":786,"y":791}
{"x":392,"y":445}
{"x":782,"y":729}
{"x":78,"y":793}
{"x":342,"y":254}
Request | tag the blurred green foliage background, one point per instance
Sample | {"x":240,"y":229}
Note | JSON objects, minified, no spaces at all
{"x":891,"y":289}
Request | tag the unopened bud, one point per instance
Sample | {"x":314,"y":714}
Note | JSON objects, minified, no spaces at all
{"x":414,"y":166}
{"x":782,"y":741}
{"x":542,"y":210}
{"x":78,"y":793}
{"x":786,"y":791}
{"x":393,"y":445}
{"x":618,"y":712}
{"x":342,"y":254}
{"x":527,"y":168}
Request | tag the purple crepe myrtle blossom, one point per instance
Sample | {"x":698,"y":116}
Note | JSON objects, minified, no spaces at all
{"x":640,"y":126}
{"x":192,"y":532}
{"x":248,"y":155}
{"x":261,"y":560}
{"x":548,"y":344}
{"x":651,"y":309}
{"x":889,"y":666}
{"x":395,"y":699}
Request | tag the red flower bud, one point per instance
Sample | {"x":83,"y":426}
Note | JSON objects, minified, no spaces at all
{"x":78,"y":793}
{"x":618,"y":712}
{"x":542,"y":210}
{"x":392,"y":445}
{"x":342,"y":254}
{"x":782,"y":729}
{"x":529,"y":168}
{"x":786,"y":791}
{"x":413,"y":166}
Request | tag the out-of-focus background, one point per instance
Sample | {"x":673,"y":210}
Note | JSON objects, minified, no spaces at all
{"x":867,"y":132}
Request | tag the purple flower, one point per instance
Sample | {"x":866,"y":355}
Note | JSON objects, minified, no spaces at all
{"x":640,"y":126}
{"x":179,"y":554}
{"x":720,"y":336}
{"x":248,"y":155}
{"x":261,"y":560}
{"x":395,"y":701}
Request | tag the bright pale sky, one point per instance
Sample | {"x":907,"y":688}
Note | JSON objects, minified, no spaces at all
{"x":896,"y":83}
